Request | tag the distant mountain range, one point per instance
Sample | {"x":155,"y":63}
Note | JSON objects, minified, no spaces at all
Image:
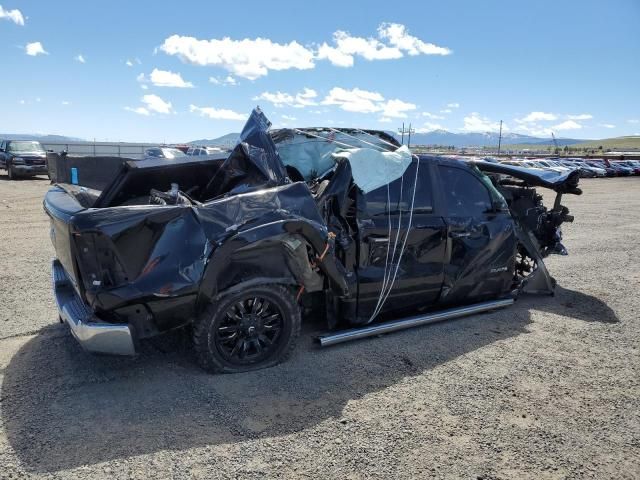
{"x":40,"y":138}
{"x":486,"y":139}
{"x":436,"y":137}
{"x":227,"y":140}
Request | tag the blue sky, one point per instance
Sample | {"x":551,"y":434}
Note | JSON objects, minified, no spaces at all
{"x":178,"y":71}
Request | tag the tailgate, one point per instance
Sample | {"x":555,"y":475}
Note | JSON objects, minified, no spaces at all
{"x":61,"y":206}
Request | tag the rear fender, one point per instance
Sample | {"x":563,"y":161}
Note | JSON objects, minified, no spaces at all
{"x":276,"y":252}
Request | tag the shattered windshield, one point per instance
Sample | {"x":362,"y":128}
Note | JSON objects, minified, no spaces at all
{"x":26,"y":147}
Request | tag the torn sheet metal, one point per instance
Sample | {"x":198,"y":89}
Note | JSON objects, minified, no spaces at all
{"x":311,"y":150}
{"x":561,"y":182}
{"x":253,"y":163}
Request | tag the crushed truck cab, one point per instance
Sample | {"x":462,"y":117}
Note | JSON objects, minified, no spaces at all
{"x":345,"y":222}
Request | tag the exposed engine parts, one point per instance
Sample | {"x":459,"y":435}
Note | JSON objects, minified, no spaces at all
{"x":172,"y":197}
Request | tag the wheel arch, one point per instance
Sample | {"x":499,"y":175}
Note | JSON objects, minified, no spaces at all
{"x":273,"y":253}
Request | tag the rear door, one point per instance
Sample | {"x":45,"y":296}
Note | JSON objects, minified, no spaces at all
{"x":481,"y":240}
{"x":383,"y":222}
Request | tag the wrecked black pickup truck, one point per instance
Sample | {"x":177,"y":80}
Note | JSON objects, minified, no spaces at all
{"x":341,"y":223}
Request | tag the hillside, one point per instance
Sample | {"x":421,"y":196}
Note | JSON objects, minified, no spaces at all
{"x":40,"y":138}
{"x":617,"y":143}
{"x":225,"y":141}
{"x":480,"y":139}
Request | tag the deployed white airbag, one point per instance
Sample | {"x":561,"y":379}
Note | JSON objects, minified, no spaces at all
{"x":372,"y":168}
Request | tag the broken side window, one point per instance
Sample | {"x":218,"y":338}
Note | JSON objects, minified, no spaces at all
{"x":376,"y":200}
{"x":464,"y":194}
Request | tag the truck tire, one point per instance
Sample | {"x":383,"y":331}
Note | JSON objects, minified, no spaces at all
{"x":247,"y":330}
{"x":10,"y":173}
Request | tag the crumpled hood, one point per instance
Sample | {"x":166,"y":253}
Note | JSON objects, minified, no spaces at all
{"x":561,"y":182}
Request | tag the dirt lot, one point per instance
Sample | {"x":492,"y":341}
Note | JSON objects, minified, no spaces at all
{"x":549,"y":388}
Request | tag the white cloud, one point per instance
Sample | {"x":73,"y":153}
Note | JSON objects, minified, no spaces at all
{"x":538,"y":117}
{"x":355,"y":100}
{"x":399,"y":37}
{"x":582,"y":116}
{"x":432,"y":116}
{"x":21,"y":102}
{"x":474,"y":122}
{"x":65,"y":102}
{"x":305,"y":98}
{"x":607,"y":125}
{"x":79,"y":58}
{"x":228,"y":80}
{"x":385,"y":120}
{"x":288,"y":118}
{"x":138,"y":110}
{"x":254,"y":58}
{"x":446,"y":110}
{"x":453,"y":105}
{"x":35,"y":48}
{"x":429,"y":127}
{"x":396,"y":108}
{"x":129,"y":63}
{"x":14,"y":15}
{"x":633,"y":121}
{"x":166,"y":78}
{"x":567,"y":125}
{"x":535,"y":129}
{"x":248,"y":58}
{"x":364,"y":101}
{"x":154,"y":103}
{"x":347,"y":47}
{"x":217,"y":113}
{"x":398,"y":42}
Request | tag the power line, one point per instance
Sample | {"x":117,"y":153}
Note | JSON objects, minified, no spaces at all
{"x":408,"y":131}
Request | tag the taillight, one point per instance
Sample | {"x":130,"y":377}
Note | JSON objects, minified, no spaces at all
{"x":98,"y":263}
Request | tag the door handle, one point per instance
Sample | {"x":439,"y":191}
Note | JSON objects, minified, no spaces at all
{"x":459,"y":234}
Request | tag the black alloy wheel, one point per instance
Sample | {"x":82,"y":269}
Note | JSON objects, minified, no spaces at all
{"x":247,"y":330}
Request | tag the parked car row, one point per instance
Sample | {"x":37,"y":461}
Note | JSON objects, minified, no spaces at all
{"x":171,"y":153}
{"x":588,"y":168}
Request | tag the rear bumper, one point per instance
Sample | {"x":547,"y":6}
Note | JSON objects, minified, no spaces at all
{"x":93,"y":334}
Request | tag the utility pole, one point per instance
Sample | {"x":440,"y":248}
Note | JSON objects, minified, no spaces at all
{"x":407,"y":131}
{"x":500,"y":138}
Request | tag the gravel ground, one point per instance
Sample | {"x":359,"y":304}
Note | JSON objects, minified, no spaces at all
{"x":549,"y":388}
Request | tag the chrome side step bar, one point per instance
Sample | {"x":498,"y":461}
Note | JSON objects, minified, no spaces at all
{"x":394,"y":325}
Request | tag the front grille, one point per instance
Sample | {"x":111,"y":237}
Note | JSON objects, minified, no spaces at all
{"x":34,"y":160}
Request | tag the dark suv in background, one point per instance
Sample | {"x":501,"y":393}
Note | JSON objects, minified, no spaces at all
{"x":23,"y":158}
